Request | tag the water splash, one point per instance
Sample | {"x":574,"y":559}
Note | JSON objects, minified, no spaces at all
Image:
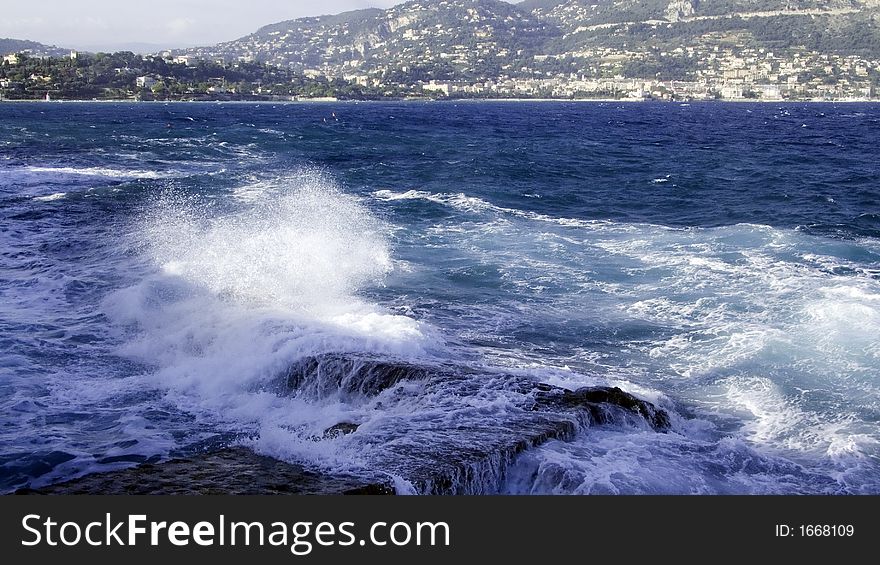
{"x":233,"y":297}
{"x":303,"y":244}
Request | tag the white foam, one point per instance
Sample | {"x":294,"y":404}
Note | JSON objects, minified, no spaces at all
{"x":473,"y":204}
{"x":301,"y":248}
{"x":102,"y":172}
{"x":625,"y":462}
{"x":774,"y":329}
{"x":50,"y":197}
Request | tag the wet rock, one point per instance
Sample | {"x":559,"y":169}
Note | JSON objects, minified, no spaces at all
{"x":600,"y":403}
{"x":346,"y":376}
{"x":233,"y":470}
{"x":340,"y":429}
{"x":467,"y":426}
{"x":449,"y":430}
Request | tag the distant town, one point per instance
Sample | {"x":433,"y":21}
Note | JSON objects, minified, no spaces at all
{"x":456,"y":49}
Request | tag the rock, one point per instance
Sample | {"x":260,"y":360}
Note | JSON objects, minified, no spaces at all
{"x":598,"y":401}
{"x":232,"y":470}
{"x":465,"y":428}
{"x":679,"y":10}
{"x":457,"y":449}
{"x":346,"y":376}
{"x":340,"y":429}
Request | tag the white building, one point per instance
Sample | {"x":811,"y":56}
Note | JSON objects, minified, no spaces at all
{"x":11,"y":59}
{"x":187,"y":60}
{"x":732,"y":91}
{"x":434,"y":86}
{"x":145,"y":82}
{"x":769,"y":91}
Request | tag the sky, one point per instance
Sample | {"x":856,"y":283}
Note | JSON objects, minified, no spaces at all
{"x":108,"y":24}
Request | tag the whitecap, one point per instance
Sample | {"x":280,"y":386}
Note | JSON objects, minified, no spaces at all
{"x":50,"y":197}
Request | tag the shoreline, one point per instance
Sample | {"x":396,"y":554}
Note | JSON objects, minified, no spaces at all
{"x":446,"y":100}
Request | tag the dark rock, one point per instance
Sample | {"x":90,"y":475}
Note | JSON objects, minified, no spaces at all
{"x":340,"y":429}
{"x":347,"y":375}
{"x":466,"y":428}
{"x":459,"y":450}
{"x":600,"y":401}
{"x":233,"y":470}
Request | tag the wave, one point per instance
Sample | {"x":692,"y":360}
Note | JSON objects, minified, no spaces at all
{"x":768,"y":332}
{"x":231,"y":299}
{"x":50,"y":197}
{"x":103,"y":172}
{"x":254,"y":317}
{"x":290,"y":262}
{"x":467,"y":203}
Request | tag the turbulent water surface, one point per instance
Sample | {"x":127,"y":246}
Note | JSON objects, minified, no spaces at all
{"x":164,"y":266}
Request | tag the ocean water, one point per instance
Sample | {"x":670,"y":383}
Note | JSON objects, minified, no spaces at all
{"x":162,"y":266}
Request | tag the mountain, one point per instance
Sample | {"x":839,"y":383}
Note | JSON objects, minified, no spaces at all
{"x":671,"y":49}
{"x":478,"y":39}
{"x":139,"y":47}
{"x":9,"y":46}
{"x":441,"y":38}
{"x":828,"y":26}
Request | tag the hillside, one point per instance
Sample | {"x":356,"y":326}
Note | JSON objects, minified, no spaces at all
{"x":826,"y":26}
{"x":9,"y":46}
{"x":439,"y":38}
{"x":487,"y":37}
{"x":771,"y":49}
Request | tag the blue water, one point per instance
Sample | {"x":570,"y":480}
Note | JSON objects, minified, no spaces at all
{"x":162,"y":263}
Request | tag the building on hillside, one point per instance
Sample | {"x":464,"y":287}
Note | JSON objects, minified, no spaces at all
{"x":187,"y":60}
{"x":768,"y":91}
{"x":435,"y":86}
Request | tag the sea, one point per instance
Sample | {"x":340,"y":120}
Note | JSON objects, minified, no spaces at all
{"x":162,"y":266}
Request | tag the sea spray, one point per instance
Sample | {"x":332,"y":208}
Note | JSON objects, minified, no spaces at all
{"x":302,"y":245}
{"x":237,"y":295}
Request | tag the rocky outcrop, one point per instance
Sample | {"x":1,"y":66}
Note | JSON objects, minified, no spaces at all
{"x":340,"y":429}
{"x":678,"y":10}
{"x":457,"y":450}
{"x":346,"y":376}
{"x":233,"y":470}
{"x":604,"y":404}
{"x":452,"y":430}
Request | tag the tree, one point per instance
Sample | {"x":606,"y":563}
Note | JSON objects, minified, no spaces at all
{"x":159,"y":89}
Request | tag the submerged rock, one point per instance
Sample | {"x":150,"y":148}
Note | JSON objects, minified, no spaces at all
{"x":233,"y":470}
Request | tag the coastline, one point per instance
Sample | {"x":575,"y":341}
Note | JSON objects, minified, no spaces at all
{"x":545,"y":413}
{"x":447,"y":101}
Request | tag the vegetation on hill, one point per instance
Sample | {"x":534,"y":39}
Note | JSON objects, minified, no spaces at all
{"x":116,"y":76}
{"x":8,"y":45}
